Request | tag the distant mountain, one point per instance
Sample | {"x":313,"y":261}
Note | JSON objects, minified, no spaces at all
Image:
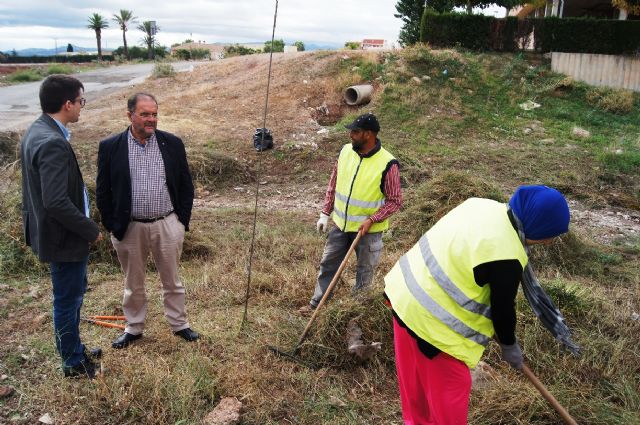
{"x":322,"y":46}
{"x":312,"y":45}
{"x":51,"y":52}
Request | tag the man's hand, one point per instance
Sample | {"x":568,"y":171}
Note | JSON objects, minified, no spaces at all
{"x":323,"y":223}
{"x":512,"y":354}
{"x":365,"y":226}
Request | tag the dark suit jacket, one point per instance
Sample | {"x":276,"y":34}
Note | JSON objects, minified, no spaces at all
{"x":53,"y":218}
{"x":113,"y":182}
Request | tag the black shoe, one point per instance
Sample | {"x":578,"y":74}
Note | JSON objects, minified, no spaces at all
{"x":187,"y":334}
{"x":124,"y":340}
{"x":85,"y":369}
{"x":93,"y":353}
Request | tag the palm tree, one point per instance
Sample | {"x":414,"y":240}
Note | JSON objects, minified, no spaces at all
{"x":149,"y":39}
{"x":123,"y":19}
{"x":97,"y":23}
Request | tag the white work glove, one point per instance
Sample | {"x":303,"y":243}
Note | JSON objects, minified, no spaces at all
{"x":512,"y":354}
{"x":323,"y":223}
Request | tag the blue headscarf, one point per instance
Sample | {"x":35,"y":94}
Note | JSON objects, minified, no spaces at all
{"x":543,"y":211}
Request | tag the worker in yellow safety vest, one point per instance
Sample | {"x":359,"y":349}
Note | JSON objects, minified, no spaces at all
{"x":364,"y":190}
{"x":455,"y":288}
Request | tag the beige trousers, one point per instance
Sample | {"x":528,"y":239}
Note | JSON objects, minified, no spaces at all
{"x":163,"y":238}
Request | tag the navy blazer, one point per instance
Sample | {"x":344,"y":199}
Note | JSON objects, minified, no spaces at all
{"x":53,"y":216}
{"x":113,"y":181}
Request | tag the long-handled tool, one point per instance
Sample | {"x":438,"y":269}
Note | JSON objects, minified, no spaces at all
{"x":292,"y":354}
{"x":566,"y":417}
{"x":99,"y":320}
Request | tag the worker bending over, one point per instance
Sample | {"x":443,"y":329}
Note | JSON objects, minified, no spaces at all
{"x":455,"y":288}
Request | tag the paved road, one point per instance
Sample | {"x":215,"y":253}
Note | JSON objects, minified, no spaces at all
{"x":19,"y":104}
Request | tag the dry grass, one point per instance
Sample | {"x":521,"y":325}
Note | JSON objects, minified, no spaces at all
{"x":454,"y":138}
{"x":611,"y":100}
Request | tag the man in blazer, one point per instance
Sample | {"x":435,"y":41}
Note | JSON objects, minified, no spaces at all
{"x":145,"y":193}
{"x":55,"y":214}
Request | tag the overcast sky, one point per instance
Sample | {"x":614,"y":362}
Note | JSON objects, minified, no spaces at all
{"x":43,"y":24}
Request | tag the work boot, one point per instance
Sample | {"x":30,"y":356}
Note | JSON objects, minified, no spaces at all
{"x":85,"y":369}
{"x":307,"y":310}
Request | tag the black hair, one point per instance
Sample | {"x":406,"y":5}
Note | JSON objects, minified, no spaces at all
{"x":133,"y":100}
{"x":56,"y":89}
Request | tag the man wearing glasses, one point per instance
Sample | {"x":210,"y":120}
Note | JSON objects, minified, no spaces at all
{"x":145,"y":194}
{"x":55,"y":215}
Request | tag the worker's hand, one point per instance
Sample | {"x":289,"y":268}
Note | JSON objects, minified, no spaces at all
{"x":99,"y":238}
{"x":512,"y":354}
{"x":365,"y":226}
{"x":323,"y":223}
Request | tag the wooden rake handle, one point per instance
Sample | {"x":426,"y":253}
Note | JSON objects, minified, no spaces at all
{"x":329,"y":289}
{"x":566,"y":417}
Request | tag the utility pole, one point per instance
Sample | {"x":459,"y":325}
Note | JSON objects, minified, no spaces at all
{"x":153,"y":31}
{"x":55,"y":56}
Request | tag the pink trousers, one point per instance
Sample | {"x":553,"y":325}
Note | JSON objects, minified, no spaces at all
{"x":432,"y":391}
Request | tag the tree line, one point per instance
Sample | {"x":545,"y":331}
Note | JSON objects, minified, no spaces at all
{"x":411,"y":11}
{"x":124,"y":19}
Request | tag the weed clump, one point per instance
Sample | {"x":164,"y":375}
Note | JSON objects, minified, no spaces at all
{"x":8,"y":147}
{"x":213,"y":168}
{"x":59,"y":69}
{"x":25,"y":76}
{"x":15,"y":256}
{"x":424,"y":61}
{"x":610,"y":100}
{"x":433,"y":199}
{"x":163,"y":70}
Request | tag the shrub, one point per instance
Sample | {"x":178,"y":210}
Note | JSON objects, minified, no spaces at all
{"x":611,"y":100}
{"x":238,"y":50}
{"x":25,"y":76}
{"x":59,"y":69}
{"x":479,"y":32}
{"x":163,"y":70}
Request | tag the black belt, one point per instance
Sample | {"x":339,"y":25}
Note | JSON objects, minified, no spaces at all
{"x":151,"y":220}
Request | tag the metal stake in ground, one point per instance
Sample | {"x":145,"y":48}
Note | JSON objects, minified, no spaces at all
{"x":327,"y":294}
{"x":255,"y":209}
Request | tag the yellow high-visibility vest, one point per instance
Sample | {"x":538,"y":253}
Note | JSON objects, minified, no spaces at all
{"x":432,"y":288}
{"x":359,"y":189}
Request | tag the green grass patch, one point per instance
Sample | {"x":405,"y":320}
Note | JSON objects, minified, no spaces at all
{"x":59,"y":69}
{"x":28,"y":75}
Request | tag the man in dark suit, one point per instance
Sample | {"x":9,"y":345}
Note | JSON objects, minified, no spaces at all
{"x":144,"y":193}
{"x":55,"y":214}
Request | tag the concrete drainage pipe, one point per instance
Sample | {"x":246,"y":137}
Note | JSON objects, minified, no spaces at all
{"x":358,"y":95}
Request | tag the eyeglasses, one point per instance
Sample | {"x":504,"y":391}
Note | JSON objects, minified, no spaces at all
{"x":82,"y":101}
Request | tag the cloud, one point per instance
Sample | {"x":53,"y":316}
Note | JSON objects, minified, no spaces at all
{"x":35,"y":24}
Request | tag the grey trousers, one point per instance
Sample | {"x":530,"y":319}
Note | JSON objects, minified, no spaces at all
{"x":163,"y":238}
{"x":338,"y":243}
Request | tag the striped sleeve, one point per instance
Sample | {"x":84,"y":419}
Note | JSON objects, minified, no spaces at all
{"x":392,"y":193}
{"x":329,"y":197}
